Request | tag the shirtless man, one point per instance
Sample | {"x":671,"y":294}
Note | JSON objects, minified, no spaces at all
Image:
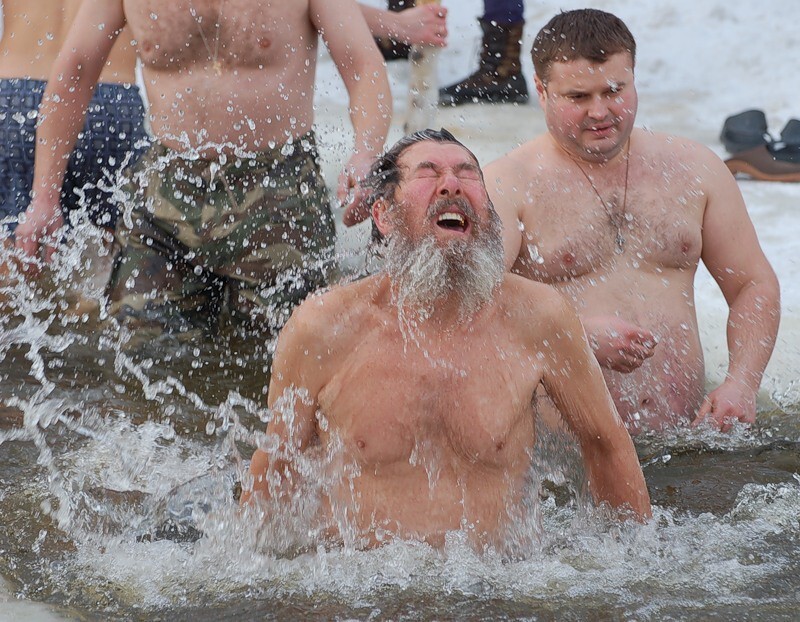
{"x":420,"y":381}
{"x":114,"y":131}
{"x":618,"y":218}
{"x":227,"y":212}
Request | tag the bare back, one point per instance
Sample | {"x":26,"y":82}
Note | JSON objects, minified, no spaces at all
{"x":226,"y":71}
{"x":33,"y":32}
{"x":569,"y":242}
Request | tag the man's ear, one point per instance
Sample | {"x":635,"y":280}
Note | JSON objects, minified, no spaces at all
{"x":381,"y":216}
{"x":541,"y":89}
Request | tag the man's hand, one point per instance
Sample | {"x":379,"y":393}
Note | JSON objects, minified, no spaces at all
{"x":729,"y":402}
{"x":350,"y":193}
{"x":422,"y":25}
{"x":39,"y":225}
{"x":619,"y":344}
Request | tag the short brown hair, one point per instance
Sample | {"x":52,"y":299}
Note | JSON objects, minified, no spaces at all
{"x":584,"y":33}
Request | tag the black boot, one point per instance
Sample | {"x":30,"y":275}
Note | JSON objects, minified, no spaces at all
{"x":499,"y":77}
{"x":391,"y":49}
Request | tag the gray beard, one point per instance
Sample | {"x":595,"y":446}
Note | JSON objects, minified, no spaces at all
{"x":424,"y":273}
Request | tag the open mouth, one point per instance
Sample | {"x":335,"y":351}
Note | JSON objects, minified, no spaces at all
{"x":452,"y":221}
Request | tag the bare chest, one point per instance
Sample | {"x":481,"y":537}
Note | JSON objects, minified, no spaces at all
{"x":412,"y":407}
{"x":33,"y":29}
{"x":237,"y":33}
{"x":573,"y":229}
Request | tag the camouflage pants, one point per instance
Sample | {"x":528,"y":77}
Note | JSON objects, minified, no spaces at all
{"x":247,"y":238}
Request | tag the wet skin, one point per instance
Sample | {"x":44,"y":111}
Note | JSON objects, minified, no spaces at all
{"x":438,"y":430}
{"x":33,"y":33}
{"x":221,"y":77}
{"x":677,"y":205}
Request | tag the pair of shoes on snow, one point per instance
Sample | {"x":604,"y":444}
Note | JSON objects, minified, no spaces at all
{"x":754,"y":151}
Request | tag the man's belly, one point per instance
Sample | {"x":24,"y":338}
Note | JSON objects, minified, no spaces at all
{"x":24,"y":64}
{"x":226,"y":114}
{"x":666,"y":390}
{"x":373,"y":510}
{"x":668,"y":387}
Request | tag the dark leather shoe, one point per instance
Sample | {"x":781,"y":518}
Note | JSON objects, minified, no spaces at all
{"x":790,"y":134}
{"x":765,"y":164}
{"x":744,"y":131}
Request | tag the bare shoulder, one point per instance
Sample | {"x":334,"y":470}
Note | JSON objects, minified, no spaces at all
{"x":332,"y":314}
{"x":668,"y":149}
{"x":518,"y":164}
{"x":512,"y":179}
{"x":535,"y":304}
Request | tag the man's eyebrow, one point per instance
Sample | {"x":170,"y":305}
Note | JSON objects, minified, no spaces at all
{"x":610,"y":84}
{"x":461,"y":166}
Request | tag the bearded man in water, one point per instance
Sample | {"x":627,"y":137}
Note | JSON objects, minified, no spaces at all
{"x":419,"y":383}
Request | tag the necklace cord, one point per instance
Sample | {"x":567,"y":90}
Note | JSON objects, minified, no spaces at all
{"x":615,"y":222}
{"x":198,"y":19}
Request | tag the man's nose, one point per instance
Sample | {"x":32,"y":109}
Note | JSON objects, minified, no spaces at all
{"x":449,"y":185}
{"x":598,"y":108}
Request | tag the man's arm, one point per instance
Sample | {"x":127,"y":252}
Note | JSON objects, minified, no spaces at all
{"x":421,"y":25}
{"x":63,"y":112}
{"x":575,"y":383}
{"x":292,"y":400}
{"x":361,"y":66}
{"x":733,"y":256}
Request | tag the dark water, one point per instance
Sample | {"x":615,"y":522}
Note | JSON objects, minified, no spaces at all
{"x":101,"y":429}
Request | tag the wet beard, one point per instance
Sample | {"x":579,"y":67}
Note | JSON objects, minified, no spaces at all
{"x":424,"y":273}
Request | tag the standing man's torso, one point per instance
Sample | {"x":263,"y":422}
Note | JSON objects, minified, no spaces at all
{"x":569,"y":242}
{"x":231,"y":72}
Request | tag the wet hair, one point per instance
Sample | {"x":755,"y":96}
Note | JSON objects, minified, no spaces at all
{"x":385,"y":175}
{"x":590,"y":34}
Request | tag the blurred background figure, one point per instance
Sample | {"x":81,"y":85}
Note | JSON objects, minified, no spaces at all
{"x":404,"y":24}
{"x":114,"y":131}
{"x":498,"y":78}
